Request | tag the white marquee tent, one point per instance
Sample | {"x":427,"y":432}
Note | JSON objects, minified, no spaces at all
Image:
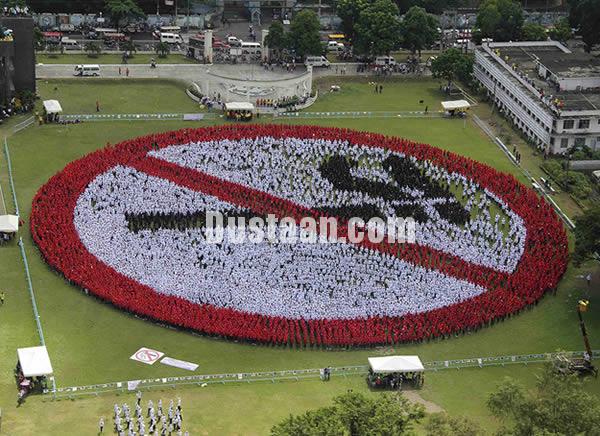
{"x":394,"y":364}
{"x":9,"y":223}
{"x":456,"y":105}
{"x":34,"y":361}
{"x":239,"y":106}
{"x":52,"y":106}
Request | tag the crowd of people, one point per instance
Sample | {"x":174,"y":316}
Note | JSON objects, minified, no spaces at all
{"x":132,"y":421}
{"x":486,"y":246}
{"x":288,"y":102}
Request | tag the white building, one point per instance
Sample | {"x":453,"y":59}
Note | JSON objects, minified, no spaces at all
{"x":551,"y":94}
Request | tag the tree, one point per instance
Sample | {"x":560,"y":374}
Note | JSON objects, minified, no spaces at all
{"x":323,"y":421}
{"x":355,"y":414}
{"x":276,"y":39}
{"x":558,"y":406}
{"x":561,"y":30}
{"x":442,"y":424}
{"x":162,"y":49}
{"x":349,"y":11}
{"x":451,"y":65}
{"x":304,"y":37}
{"x":500,"y":19}
{"x":585,"y":14}
{"x":587,"y":235}
{"x":418,"y":30}
{"x":121,"y":10}
{"x":378,"y":28}
{"x":436,"y":7}
{"x":38,"y":38}
{"x":533,"y":32}
{"x":129,"y":46}
{"x":52,"y":50}
{"x":92,"y":48}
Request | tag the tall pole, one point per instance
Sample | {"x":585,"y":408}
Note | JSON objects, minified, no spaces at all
{"x":586,"y":340}
{"x":187,"y":20}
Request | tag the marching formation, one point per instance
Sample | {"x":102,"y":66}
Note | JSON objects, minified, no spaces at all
{"x":125,"y":223}
{"x":156,"y":421}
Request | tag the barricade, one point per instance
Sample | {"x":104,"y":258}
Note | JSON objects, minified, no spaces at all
{"x":294,"y":375}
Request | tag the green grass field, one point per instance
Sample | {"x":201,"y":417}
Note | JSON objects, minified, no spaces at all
{"x":90,"y":341}
{"x":118,"y":96}
{"x":109,"y":58}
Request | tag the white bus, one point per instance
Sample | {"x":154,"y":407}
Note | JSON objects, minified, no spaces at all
{"x":101,"y":31}
{"x":171,"y":38}
{"x":250,"y":48}
{"x":170,"y":29}
{"x":87,"y":70}
{"x":316,"y":61}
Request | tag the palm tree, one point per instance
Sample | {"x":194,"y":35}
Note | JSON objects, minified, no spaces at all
{"x":92,"y":49}
{"x":163,"y":49}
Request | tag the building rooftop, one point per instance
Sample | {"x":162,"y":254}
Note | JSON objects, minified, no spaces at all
{"x":524,"y":60}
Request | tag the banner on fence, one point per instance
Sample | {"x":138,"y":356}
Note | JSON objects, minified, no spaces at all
{"x":132,"y":385}
{"x":179,"y":364}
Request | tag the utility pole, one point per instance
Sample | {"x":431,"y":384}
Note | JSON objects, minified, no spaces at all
{"x":187,"y":20}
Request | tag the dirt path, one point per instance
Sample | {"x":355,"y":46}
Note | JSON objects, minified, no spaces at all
{"x":414,"y":397}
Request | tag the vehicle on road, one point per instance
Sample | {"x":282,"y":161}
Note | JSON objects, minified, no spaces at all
{"x":86,"y":70}
{"x":234,"y":41}
{"x":317,"y":61}
{"x":171,"y":38}
{"x":385,"y":60}
{"x":69,"y":44}
{"x":335,"y":46}
{"x":250,"y":48}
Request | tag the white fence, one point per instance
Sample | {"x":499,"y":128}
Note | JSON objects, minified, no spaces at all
{"x":294,"y":374}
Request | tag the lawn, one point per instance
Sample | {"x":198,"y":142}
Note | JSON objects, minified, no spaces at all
{"x":107,"y":58}
{"x":358,"y":94}
{"x":120,"y":97}
{"x":90,"y":342}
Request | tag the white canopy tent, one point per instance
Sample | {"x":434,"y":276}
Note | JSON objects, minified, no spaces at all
{"x":9,"y":223}
{"x":456,"y":105}
{"x":396,"y":364}
{"x":52,"y":107}
{"x":34,"y":361}
{"x":239,"y":106}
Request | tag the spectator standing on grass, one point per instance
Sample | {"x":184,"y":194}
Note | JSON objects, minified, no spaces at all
{"x":138,"y":395}
{"x":127,"y":72}
{"x":101,"y":424}
{"x":2,"y":296}
{"x":97,"y":106}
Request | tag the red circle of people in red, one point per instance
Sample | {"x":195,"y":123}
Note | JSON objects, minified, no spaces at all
{"x":540,"y":268}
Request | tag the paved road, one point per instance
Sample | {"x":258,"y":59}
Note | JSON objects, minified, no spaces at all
{"x":194,"y":72}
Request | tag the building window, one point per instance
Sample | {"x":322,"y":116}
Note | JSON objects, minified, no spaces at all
{"x":584,"y":124}
{"x":568,"y":124}
{"x":579,"y":142}
{"x":564,"y":142}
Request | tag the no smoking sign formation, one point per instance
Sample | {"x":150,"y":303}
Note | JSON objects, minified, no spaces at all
{"x":147,"y":356}
{"x":126,"y":223}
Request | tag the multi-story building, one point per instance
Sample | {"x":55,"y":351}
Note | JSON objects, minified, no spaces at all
{"x":17,"y":58}
{"x":550,"y":93}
